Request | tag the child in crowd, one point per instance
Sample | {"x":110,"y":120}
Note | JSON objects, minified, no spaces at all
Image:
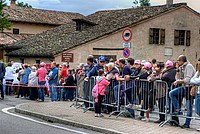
{"x":101,"y":84}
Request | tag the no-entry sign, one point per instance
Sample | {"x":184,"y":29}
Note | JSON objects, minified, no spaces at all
{"x":126,"y":52}
{"x":127,"y":34}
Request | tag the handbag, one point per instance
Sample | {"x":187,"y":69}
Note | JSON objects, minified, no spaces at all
{"x":193,"y":91}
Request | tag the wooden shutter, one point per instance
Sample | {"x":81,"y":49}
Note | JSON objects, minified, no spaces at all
{"x":151,"y":36}
{"x":162,"y":36}
{"x":188,"y":36}
{"x":176,"y":37}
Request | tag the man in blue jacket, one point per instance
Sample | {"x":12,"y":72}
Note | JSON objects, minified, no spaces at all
{"x":25,"y":75}
{"x":53,"y":78}
{"x":2,"y":73}
{"x":89,"y":84}
{"x":94,"y":70}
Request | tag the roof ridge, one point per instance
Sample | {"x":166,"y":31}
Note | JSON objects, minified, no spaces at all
{"x":25,"y":8}
{"x":174,"y":5}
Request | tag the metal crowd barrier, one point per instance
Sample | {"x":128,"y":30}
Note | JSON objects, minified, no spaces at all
{"x":127,"y":97}
{"x":192,"y":111}
{"x":120,"y":96}
{"x":87,"y":99}
{"x":142,"y":95}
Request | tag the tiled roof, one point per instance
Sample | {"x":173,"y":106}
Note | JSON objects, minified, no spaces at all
{"x":9,"y":38}
{"x":65,"y":37}
{"x":32,"y":15}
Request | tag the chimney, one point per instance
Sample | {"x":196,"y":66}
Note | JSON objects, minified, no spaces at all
{"x":169,"y":3}
{"x":13,"y":3}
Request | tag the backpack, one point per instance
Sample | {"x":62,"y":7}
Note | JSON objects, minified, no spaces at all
{"x":95,"y":90}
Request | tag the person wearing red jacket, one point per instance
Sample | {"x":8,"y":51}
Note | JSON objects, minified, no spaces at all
{"x":62,"y":76}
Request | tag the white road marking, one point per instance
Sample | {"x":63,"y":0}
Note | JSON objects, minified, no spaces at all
{"x":5,"y":110}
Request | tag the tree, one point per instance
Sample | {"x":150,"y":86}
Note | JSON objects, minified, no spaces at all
{"x":141,"y":3}
{"x":4,"y":21}
{"x":22,"y":4}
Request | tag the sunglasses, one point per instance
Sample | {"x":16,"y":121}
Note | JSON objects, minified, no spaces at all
{"x":101,"y":61}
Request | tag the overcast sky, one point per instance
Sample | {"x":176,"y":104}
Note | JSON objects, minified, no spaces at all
{"x":90,"y":6}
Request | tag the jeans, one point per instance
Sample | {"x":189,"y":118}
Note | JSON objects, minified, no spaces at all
{"x":41,"y":90}
{"x":53,"y":91}
{"x":2,"y":92}
{"x":69,"y":93}
{"x":189,"y":104}
{"x":176,"y":95}
{"x":116,"y":92}
{"x":197,"y":103}
{"x":129,"y":95}
{"x":59,"y":92}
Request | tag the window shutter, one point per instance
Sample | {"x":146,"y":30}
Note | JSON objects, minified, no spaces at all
{"x":151,"y":36}
{"x":176,"y":37}
{"x":162,"y":36}
{"x":188,"y":36}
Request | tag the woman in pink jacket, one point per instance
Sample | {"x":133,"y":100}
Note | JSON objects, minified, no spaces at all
{"x":101,"y":83}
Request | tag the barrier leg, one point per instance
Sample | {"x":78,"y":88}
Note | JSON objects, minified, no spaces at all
{"x":118,"y":104}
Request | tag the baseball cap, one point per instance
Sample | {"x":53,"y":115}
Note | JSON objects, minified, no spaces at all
{"x":169,"y":63}
{"x":42,"y":64}
{"x":33,"y":68}
{"x":102,"y":58}
{"x":147,"y":65}
{"x":137,"y":62}
{"x":143,"y":62}
{"x":64,"y":64}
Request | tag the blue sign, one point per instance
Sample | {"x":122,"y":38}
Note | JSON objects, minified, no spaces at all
{"x":126,"y":52}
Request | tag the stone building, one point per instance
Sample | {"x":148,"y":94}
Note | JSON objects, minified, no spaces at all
{"x":162,"y":32}
{"x":30,"y":21}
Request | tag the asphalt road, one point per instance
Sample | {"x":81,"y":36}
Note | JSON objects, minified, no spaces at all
{"x":13,"y":123}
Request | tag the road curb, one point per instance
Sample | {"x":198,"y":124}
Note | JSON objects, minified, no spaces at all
{"x":55,"y":119}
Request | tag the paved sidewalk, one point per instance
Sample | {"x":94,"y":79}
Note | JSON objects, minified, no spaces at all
{"x":61,"y":112}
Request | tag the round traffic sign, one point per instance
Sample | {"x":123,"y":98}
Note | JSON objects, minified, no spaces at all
{"x":126,"y":52}
{"x":127,"y":34}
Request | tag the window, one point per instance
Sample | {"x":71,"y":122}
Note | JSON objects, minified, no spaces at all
{"x":182,"y":37}
{"x":15,"y":31}
{"x":22,"y":60}
{"x":78,"y":26}
{"x":156,"y":36}
{"x":37,"y":61}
